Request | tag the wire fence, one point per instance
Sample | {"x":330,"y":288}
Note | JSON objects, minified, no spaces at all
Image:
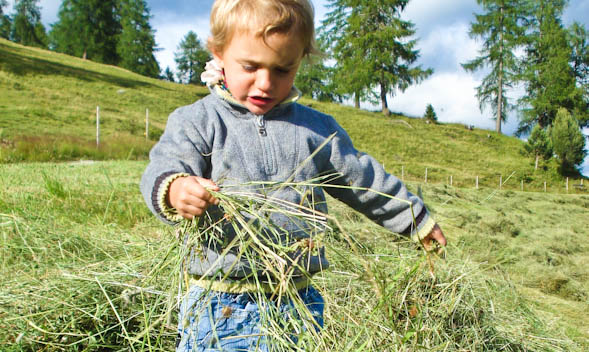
{"x":499,"y":181}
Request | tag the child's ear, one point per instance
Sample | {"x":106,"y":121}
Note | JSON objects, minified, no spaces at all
{"x":217,"y":55}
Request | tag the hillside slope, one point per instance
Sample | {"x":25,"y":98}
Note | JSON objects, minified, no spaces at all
{"x":50,"y":99}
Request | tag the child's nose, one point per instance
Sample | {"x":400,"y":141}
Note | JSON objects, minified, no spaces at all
{"x":264,"y":80}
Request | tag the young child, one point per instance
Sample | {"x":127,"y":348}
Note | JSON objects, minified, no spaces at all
{"x":250,"y":128}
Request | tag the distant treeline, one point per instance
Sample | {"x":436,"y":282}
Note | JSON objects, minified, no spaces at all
{"x":369,"y":54}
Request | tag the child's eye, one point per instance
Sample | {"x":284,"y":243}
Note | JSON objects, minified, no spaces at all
{"x":249,"y":68}
{"x":282,"y":71}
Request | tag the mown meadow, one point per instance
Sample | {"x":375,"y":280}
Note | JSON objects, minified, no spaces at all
{"x":85,"y":266}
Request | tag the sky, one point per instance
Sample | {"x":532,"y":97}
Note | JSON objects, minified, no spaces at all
{"x":441,"y":29}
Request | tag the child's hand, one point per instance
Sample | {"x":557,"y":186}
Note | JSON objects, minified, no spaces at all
{"x":190,"y":197}
{"x":436,"y":235}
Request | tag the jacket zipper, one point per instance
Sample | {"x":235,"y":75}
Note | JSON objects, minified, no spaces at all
{"x":262,"y":126}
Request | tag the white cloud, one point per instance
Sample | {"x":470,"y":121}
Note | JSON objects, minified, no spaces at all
{"x":451,"y":95}
{"x":170,"y":29}
{"x":445,"y":48}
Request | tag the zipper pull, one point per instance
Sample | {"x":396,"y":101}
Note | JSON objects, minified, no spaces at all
{"x":262,"y":126}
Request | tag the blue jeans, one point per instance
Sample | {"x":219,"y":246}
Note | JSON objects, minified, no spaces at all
{"x":218,"y":321}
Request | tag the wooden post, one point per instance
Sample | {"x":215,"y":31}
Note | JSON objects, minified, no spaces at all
{"x":402,"y":173}
{"x":477,"y":183}
{"x":567,"y":184}
{"x":147,"y":124}
{"x":450,"y":180}
{"x":500,"y":181}
{"x":97,"y":126}
{"x":544,"y":186}
{"x":426,"y":175}
{"x":522,"y":185}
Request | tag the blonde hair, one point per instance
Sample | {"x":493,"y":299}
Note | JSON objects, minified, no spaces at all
{"x":262,"y":18}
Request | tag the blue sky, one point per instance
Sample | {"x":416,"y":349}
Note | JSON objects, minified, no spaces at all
{"x":442,"y":29}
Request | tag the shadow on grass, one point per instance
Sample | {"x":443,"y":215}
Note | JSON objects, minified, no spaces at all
{"x":22,"y":64}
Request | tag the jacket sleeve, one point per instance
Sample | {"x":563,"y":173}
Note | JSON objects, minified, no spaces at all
{"x":369,"y":189}
{"x":181,"y":151}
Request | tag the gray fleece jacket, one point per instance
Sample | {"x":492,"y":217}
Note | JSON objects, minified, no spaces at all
{"x":219,"y":139}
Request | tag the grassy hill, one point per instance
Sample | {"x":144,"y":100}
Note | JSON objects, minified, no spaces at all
{"x":48,"y":112}
{"x":78,"y":247}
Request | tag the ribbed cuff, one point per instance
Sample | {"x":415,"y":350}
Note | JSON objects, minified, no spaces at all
{"x":160,"y":200}
{"x":418,"y":229}
{"x":424,"y":230}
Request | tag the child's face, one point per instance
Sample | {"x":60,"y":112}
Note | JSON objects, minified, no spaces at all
{"x":260,"y":74}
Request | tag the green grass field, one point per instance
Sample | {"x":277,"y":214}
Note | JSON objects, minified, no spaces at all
{"x":78,"y":247}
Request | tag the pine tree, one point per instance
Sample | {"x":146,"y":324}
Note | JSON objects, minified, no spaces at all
{"x":168,"y":75}
{"x":88,"y":29}
{"x":430,"y":114}
{"x":539,"y":145}
{"x":372,"y":47}
{"x":27,"y":28}
{"x":191,"y":58}
{"x":549,"y":78}
{"x":567,"y":140}
{"x":315,"y":79}
{"x":5,"y":22}
{"x":350,"y":76}
{"x":501,"y":30}
{"x":136,"y":43}
{"x":579,"y":40}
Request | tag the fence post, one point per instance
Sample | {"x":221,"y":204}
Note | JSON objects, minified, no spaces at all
{"x":477,"y":183}
{"x":426,"y":175}
{"x":500,"y":181}
{"x":450,"y":180}
{"x":97,"y":126}
{"x":402,"y":173}
{"x":522,"y":185}
{"x":544,"y":186}
{"x":147,"y":124}
{"x":567,"y":185}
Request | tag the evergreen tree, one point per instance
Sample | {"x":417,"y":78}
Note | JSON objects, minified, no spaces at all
{"x":430,"y":114}
{"x":372,"y":47}
{"x":549,"y":78}
{"x":88,"y":29}
{"x":567,"y":140}
{"x":5,"y":22}
{"x":579,"y":40}
{"x":137,"y":43}
{"x":27,"y":28}
{"x":539,"y":145}
{"x":350,"y":76}
{"x":500,"y":28}
{"x":169,"y":75}
{"x":191,"y":58}
{"x":314,"y":79}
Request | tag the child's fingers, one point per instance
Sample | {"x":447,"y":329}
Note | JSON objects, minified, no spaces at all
{"x":438,"y":235}
{"x":207,"y":184}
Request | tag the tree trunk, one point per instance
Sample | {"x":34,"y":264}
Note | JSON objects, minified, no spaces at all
{"x":500,"y":78}
{"x":84,"y":55}
{"x":357,"y":100}
{"x":537,"y":158}
{"x":383,"y":99}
